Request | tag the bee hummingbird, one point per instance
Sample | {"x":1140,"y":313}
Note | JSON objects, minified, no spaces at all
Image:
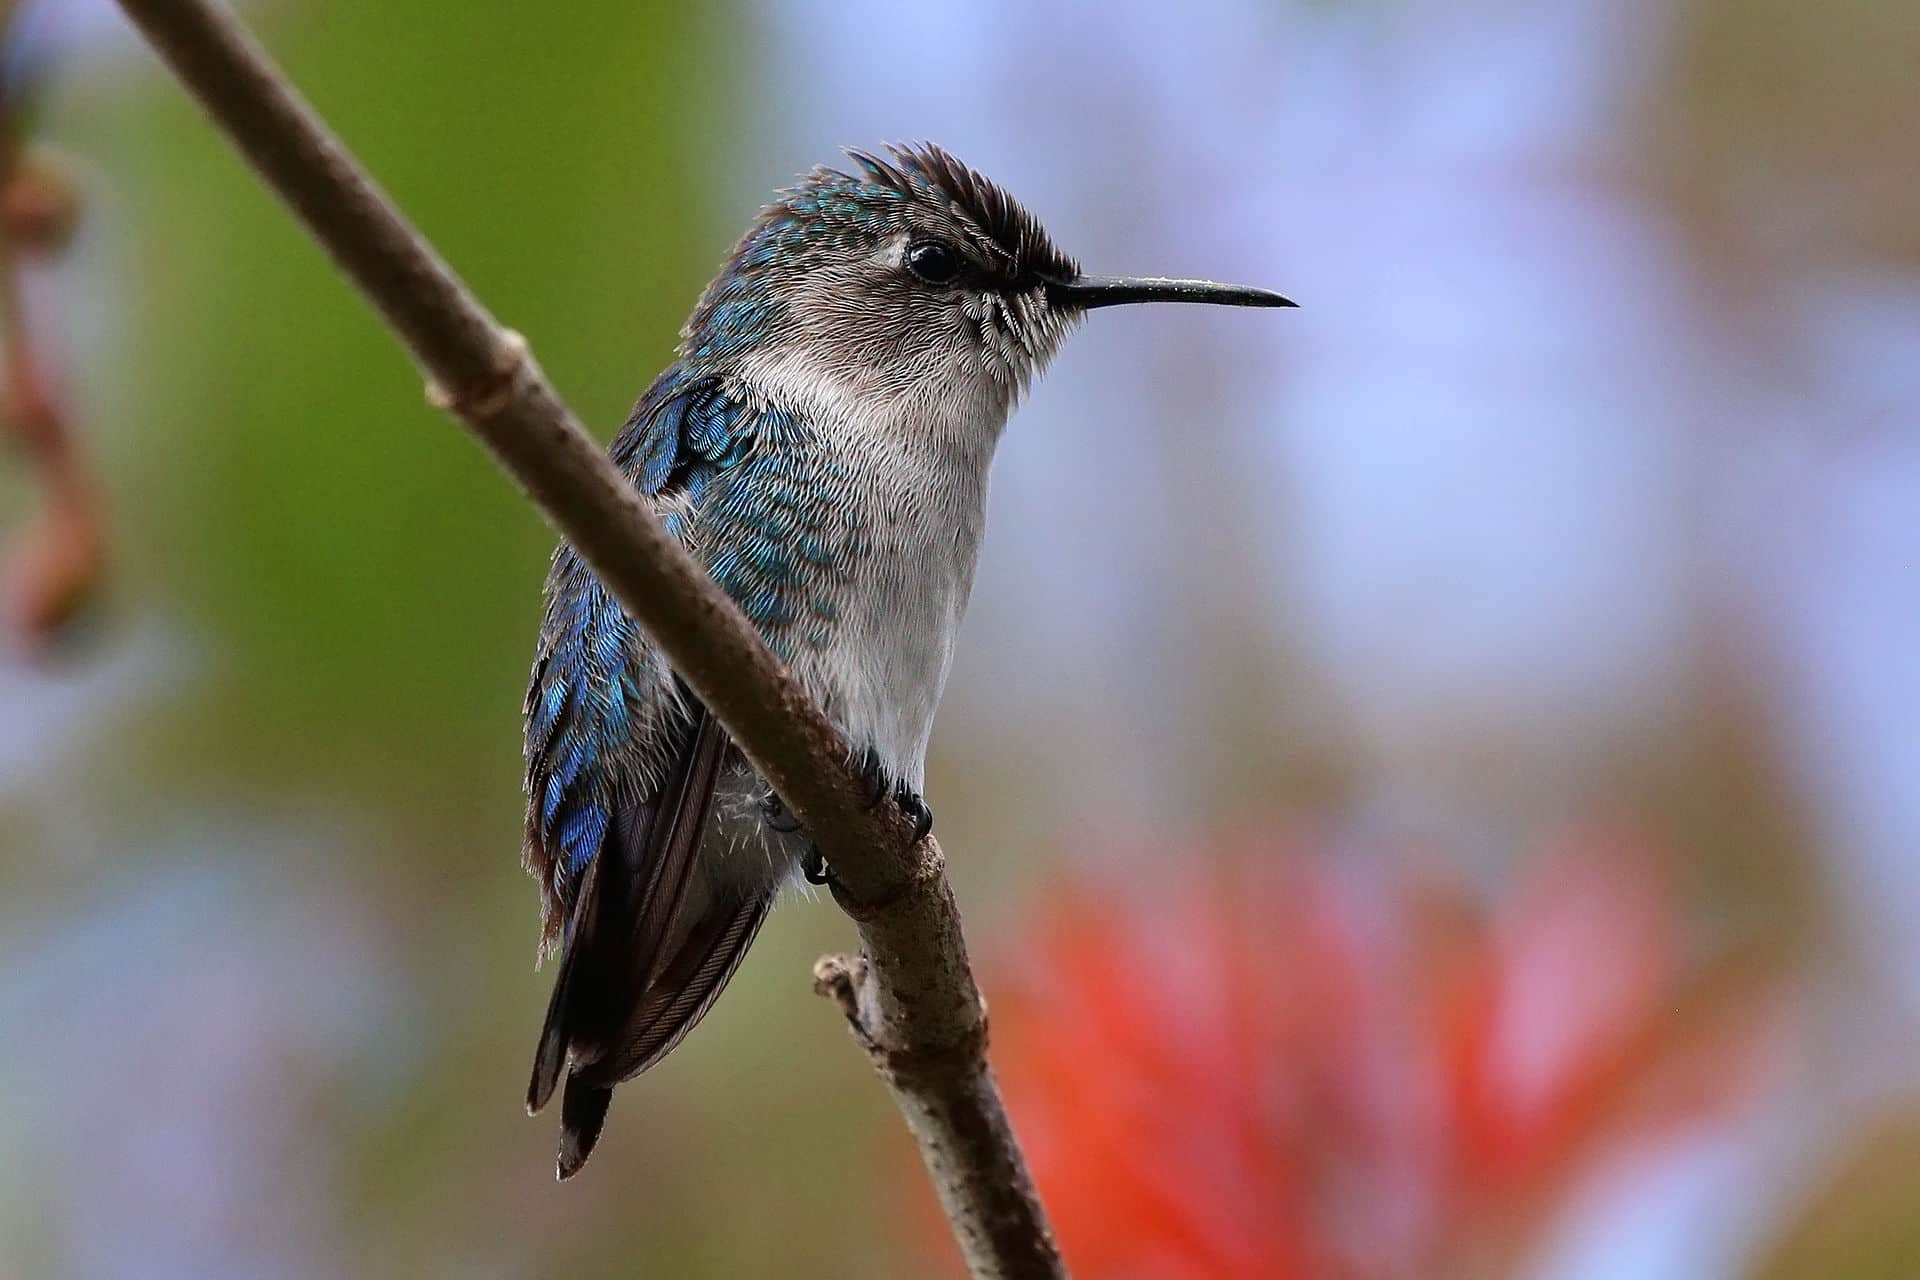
{"x":821,"y":446}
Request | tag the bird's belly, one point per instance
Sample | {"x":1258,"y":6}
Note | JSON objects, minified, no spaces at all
{"x":881,"y":677}
{"x":890,"y":604}
{"x":880,"y":680}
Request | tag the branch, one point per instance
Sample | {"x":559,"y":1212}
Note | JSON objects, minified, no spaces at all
{"x":910,"y":998}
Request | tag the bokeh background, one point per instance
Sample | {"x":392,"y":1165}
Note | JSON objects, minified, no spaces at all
{"x":1433,"y":777}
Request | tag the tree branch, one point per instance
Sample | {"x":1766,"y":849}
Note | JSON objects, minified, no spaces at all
{"x":910,"y":999}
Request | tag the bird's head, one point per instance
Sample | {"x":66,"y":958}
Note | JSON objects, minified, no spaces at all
{"x":916,"y":277}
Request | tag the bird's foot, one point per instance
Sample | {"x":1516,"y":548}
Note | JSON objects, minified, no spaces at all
{"x":774,"y":812}
{"x":911,"y":803}
{"x":814,"y":866}
{"x":914,"y":805}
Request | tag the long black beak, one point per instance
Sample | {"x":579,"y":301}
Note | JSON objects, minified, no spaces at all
{"x":1088,"y":292}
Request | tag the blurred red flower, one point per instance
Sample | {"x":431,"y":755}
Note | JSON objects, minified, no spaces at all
{"x":1268,"y":1060}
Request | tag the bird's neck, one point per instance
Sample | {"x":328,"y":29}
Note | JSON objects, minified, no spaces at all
{"x":957,"y":417}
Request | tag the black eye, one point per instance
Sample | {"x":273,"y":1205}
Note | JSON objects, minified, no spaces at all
{"x":934,"y":261}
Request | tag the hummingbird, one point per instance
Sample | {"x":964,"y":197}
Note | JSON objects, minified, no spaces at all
{"x":820,"y":444}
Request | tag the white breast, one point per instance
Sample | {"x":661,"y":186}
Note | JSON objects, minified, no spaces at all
{"x":882,"y":676}
{"x":919,"y":466}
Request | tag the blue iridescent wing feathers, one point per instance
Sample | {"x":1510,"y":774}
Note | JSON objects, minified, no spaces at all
{"x":622,"y":762}
{"x":596,"y":683}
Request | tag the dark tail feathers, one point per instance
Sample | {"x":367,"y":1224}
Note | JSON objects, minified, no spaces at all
{"x":636,"y":974}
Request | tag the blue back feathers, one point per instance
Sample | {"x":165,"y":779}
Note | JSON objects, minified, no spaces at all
{"x":765,"y":514}
{"x":580,"y":706}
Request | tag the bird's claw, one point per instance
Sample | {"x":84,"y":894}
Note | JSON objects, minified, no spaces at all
{"x":911,"y":803}
{"x":915,"y":806}
{"x":814,"y":866}
{"x":774,"y":812}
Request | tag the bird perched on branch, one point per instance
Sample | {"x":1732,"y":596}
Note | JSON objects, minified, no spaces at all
{"x":821,"y":446}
